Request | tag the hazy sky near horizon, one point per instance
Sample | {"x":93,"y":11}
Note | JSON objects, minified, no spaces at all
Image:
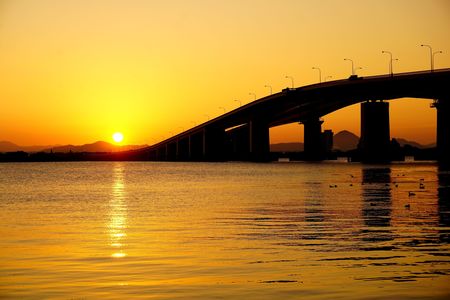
{"x":76,"y":71}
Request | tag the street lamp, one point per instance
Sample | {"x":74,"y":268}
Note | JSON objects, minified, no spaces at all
{"x":353,"y":68}
{"x":224,"y":110}
{"x":240,"y":103}
{"x":431,"y":56}
{"x":270,"y":87}
{"x":320,"y":73}
{"x":326,"y":77}
{"x":392,"y":65}
{"x":207,"y":116}
{"x":292,"y":80}
{"x":390,"y":61}
{"x":254,"y":95}
{"x":434,"y":53}
{"x":356,"y":69}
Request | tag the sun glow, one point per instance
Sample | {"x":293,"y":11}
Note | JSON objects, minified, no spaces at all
{"x":117,"y":137}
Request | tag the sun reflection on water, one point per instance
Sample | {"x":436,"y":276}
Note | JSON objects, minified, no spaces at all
{"x":118,"y":213}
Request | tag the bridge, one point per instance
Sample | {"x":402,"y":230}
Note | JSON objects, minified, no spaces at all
{"x":243,"y":134}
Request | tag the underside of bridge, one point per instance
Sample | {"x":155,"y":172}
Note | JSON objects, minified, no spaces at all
{"x":250,"y":141}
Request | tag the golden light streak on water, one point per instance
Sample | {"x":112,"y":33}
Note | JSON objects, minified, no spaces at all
{"x":118,"y":213}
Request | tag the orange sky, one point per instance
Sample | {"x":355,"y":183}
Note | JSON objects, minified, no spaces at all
{"x":76,"y":71}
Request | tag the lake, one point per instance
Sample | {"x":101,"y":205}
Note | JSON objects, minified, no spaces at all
{"x":334,"y":230}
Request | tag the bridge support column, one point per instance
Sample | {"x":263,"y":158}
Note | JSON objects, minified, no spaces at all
{"x":443,"y":129}
{"x":196,"y":146}
{"x":375,"y":138}
{"x":161,"y":153}
{"x":153,"y":155}
{"x":183,"y":153}
{"x":189,"y":148}
{"x":259,"y":142}
{"x":213,"y":144}
{"x":313,"y":146}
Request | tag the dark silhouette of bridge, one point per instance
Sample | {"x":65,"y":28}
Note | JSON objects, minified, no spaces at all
{"x":243,"y":134}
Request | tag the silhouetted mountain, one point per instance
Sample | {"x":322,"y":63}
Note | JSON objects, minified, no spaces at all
{"x":404,"y":142}
{"x":345,"y":140}
{"x":99,"y":146}
{"x":286,"y":147}
{"x":6,"y":146}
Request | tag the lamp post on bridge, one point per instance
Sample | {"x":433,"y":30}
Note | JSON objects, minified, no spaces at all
{"x":207,"y":117}
{"x":432,"y":54}
{"x":356,"y":69}
{"x":254,"y":96}
{"x":390,"y":61}
{"x":238,"y":101}
{"x":270,"y":87}
{"x":320,"y":73}
{"x":353,"y":68}
{"x":292,"y":80}
{"x":326,"y":77}
{"x":224,"y":110}
{"x":392,"y":65}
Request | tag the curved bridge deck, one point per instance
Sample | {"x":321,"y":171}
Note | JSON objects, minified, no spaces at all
{"x":245,"y":129}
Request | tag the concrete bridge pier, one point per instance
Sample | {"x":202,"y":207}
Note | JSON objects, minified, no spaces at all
{"x":152,"y":154}
{"x":171,"y":151}
{"x":161,"y":153}
{"x":313,"y":146}
{"x":259,"y":141}
{"x":375,"y":138}
{"x":443,"y":129}
{"x":183,"y":153}
{"x":214,"y":144}
{"x":196,"y":146}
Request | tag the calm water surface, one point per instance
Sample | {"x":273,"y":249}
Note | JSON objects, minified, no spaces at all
{"x":224,"y":230}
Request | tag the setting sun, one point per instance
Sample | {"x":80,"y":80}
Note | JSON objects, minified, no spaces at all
{"x":117,"y":137}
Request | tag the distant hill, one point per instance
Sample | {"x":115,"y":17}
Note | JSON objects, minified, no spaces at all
{"x":404,"y":142}
{"x":99,"y":146}
{"x":345,"y":140}
{"x":6,"y":146}
{"x":286,"y":147}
